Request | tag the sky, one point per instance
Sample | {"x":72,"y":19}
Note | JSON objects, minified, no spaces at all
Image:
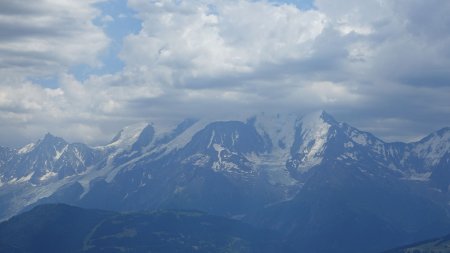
{"x":84,"y":69}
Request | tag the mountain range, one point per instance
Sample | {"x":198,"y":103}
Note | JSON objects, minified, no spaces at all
{"x":309,"y":177}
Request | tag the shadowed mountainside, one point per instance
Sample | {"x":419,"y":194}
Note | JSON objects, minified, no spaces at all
{"x":62,"y":228}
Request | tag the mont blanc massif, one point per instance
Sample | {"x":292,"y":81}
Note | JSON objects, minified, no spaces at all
{"x":269,"y":183}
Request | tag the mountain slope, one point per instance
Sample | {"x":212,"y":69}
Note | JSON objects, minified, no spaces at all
{"x":354,"y":212}
{"x":439,"y":245}
{"x":62,"y":228}
{"x":50,"y":228}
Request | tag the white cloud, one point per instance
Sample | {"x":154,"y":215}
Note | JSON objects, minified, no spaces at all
{"x":107,"y":19}
{"x":363,"y":60}
{"x":182,"y":41}
{"x":45,"y":37}
{"x":38,"y":39}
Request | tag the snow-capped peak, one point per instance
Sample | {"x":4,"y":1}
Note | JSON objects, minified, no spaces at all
{"x":317,"y":118}
{"x":127,"y":136}
{"x":49,"y":142}
{"x":314,"y":132}
{"x":314,"y":127}
{"x":280,"y":128}
{"x":433,"y":147}
{"x":300,"y":139}
{"x":51,"y":138}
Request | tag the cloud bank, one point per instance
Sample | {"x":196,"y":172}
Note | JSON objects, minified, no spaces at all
{"x":379,"y":65}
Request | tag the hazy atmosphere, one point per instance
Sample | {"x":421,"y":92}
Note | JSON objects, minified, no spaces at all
{"x":84,"y":69}
{"x":258,"y":126}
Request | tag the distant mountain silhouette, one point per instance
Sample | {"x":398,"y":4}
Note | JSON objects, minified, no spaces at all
{"x":61,"y":228}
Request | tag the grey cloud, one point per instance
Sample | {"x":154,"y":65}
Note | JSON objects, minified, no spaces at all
{"x":10,"y":31}
{"x":16,"y":7}
{"x":426,"y":19}
{"x":44,"y":37}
